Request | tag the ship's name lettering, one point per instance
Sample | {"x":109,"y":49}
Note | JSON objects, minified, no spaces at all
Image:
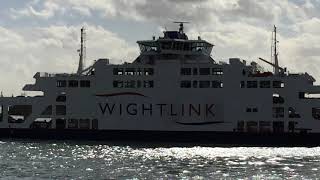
{"x":134,"y":109}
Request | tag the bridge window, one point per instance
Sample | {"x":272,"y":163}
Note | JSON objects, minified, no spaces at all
{"x":265,"y":84}
{"x":278,"y":84}
{"x":73,"y":83}
{"x":61,"y":83}
{"x":85,"y":83}
{"x":185,"y":84}
{"x":252,"y":84}
{"x":204,"y":84}
{"x":204,"y":71}
{"x":278,"y":112}
{"x":61,"y":110}
{"x":185,"y":71}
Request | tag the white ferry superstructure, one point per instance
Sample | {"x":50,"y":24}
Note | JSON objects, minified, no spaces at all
{"x":173,"y":91}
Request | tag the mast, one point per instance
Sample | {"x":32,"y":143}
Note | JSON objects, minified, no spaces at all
{"x":82,"y":51}
{"x":275,"y":53}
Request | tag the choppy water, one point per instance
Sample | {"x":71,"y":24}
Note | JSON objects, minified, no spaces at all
{"x":91,"y":160}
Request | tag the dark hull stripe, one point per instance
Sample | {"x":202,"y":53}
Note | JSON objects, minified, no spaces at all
{"x":169,"y":137}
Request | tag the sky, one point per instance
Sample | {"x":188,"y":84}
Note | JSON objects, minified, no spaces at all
{"x":44,"y":35}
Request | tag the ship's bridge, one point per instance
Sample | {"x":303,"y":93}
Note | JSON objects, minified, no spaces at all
{"x":175,"y":42}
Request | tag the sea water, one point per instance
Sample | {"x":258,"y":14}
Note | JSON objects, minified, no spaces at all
{"x":26,"y":159}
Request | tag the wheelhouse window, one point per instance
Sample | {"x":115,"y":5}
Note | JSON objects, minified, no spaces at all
{"x":185,"y":71}
{"x":61,"y":83}
{"x":73,"y":83}
{"x":85,"y":83}
{"x":185,"y":84}
{"x":252,"y":84}
{"x":204,"y":71}
{"x":278,"y":84}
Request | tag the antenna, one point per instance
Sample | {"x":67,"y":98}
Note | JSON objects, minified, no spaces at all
{"x":181,"y":25}
{"x":82,"y":51}
{"x":275,"y":49}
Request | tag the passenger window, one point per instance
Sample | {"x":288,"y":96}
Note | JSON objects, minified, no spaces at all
{"x":117,"y":71}
{"x":252,"y":84}
{"x":278,"y":84}
{"x":185,"y":71}
{"x":73,"y":83}
{"x":195,"y":71}
{"x":118,"y":84}
{"x":61,"y":83}
{"x":204,"y":71}
{"x":217,"y":84}
{"x":85,"y":83}
{"x":204,"y":84}
{"x":265,"y":84}
{"x":84,"y":124}
{"x":217,"y":71}
{"x":316,"y":113}
{"x":195,"y":84}
{"x":95,"y":124}
{"x":185,"y":84}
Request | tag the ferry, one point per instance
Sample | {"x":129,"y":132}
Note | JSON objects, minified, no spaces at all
{"x":174,"y":91}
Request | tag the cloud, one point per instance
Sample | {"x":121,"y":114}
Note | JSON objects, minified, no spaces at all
{"x":53,"y":49}
{"x":238,"y":28}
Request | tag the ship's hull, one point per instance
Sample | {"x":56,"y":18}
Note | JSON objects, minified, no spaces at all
{"x":170,"y":138}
